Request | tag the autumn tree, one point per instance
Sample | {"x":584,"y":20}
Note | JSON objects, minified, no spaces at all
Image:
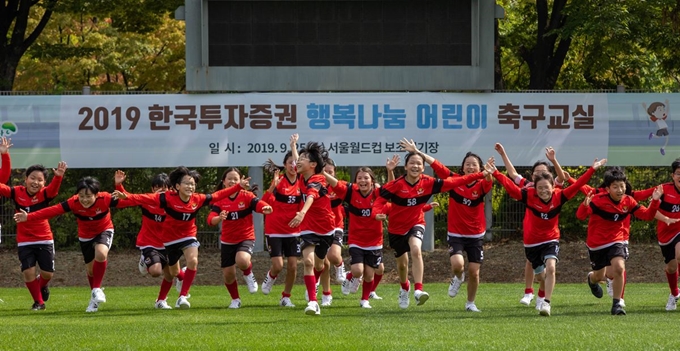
{"x":92,"y":45}
{"x":16,"y":35}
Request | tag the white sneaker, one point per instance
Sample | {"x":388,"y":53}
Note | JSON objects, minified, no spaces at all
{"x":455,"y":285}
{"x":364,"y":304}
{"x":404,"y":299}
{"x":526,"y":300}
{"x":182,"y":302}
{"x":421,"y":297}
{"x":285,"y":302}
{"x":251,"y":282}
{"x":355,"y":283}
{"x":374,"y":296}
{"x":267,"y":284}
{"x":346,"y":286}
{"x":316,"y":293}
{"x":672,"y":303}
{"x":545,"y":309}
{"x":235,"y":303}
{"x":539,"y":302}
{"x":162,"y":305}
{"x":178,"y":283}
{"x":471,"y":307}
{"x":622,"y":303}
{"x":92,"y":307}
{"x":340,"y":273}
{"x":142,"y":266}
{"x":312,"y":309}
{"x":98,"y":295}
{"x":610,"y":288}
{"x":326,"y":300}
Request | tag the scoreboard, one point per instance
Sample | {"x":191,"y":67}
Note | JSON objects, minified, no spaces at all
{"x":350,"y":45}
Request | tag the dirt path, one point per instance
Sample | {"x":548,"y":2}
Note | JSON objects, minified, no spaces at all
{"x":503,"y":262}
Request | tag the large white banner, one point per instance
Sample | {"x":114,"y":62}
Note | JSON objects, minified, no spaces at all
{"x":357,"y":129}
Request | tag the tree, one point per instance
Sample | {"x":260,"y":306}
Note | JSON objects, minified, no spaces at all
{"x":87,"y":48}
{"x":581,"y":44}
{"x":13,"y":29}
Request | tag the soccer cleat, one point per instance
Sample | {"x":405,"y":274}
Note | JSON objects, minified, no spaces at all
{"x":346,"y":286}
{"x":526,"y":300}
{"x":610,"y":287}
{"x":354,"y":285}
{"x":672,"y":303}
{"x":38,"y":306}
{"x":312,"y":308}
{"x":340,"y":273}
{"x":162,"y":305}
{"x":421,"y":297}
{"x":98,"y":295}
{"x":92,"y":307}
{"x":285,"y":302}
{"x":663,"y":153}
{"x":374,"y":296}
{"x":267,"y":284}
{"x":651,"y":135}
{"x":326,"y":300}
{"x":539,"y":302}
{"x":143,"y":269}
{"x":178,"y":283}
{"x":235,"y":303}
{"x":471,"y":307}
{"x":251,"y":282}
{"x":617,"y":310}
{"x":455,"y":285}
{"x":364,"y":304}
{"x":595,"y":288}
{"x":404,"y":299}
{"x":45,"y":292}
{"x":545,"y":309}
{"x":182,"y":302}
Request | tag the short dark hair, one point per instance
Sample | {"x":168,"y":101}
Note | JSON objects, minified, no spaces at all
{"x":411,"y":154}
{"x":88,"y":183}
{"x":160,"y":180}
{"x":617,"y":169}
{"x":38,"y":168}
{"x":614,"y":174}
{"x":675,"y":165}
{"x":316,"y":152}
{"x":544,"y":175}
{"x":180,"y":172}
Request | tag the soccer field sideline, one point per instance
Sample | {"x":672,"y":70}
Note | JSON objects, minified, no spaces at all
{"x":129,"y":321}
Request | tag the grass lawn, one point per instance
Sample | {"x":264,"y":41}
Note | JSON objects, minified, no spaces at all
{"x":128,"y":321}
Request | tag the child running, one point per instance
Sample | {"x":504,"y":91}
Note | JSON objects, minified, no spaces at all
{"x":408,"y":194}
{"x":237,"y":240}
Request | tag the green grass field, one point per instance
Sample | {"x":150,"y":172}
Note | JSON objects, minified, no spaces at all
{"x":128,"y":321}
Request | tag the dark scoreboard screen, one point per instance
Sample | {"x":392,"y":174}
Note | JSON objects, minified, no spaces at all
{"x":340,"y":33}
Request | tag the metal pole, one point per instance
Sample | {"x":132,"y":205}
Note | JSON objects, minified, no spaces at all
{"x":256,"y":175}
{"x":428,"y":240}
{"x":488,"y":212}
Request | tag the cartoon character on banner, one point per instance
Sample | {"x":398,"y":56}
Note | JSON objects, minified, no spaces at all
{"x":659,"y":112}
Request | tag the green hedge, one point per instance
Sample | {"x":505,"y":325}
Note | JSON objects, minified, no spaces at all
{"x":507,"y":213}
